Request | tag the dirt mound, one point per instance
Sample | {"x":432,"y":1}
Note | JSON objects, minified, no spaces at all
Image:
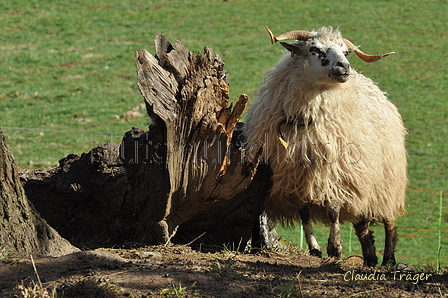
{"x":179,"y":271}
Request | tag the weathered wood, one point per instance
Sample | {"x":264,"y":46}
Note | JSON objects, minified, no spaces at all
{"x":236,"y":114}
{"x":186,"y":96}
{"x":224,"y":115}
{"x":183,"y":178}
{"x":21,"y":227}
{"x":89,"y":200}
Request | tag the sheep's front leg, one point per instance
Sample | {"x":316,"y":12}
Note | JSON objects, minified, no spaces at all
{"x":365,"y":236}
{"x":334,"y":248}
{"x":313,"y":246}
{"x":391,"y":241}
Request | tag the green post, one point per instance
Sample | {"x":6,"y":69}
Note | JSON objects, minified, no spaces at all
{"x":440,"y":230}
{"x":301,"y":236}
{"x":350,"y":239}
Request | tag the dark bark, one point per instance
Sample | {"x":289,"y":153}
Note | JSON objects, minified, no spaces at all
{"x":21,"y":227}
{"x":86,"y":198}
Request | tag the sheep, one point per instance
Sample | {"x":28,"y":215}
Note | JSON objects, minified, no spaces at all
{"x":335,"y":143}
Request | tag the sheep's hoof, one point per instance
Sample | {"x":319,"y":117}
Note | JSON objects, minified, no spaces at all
{"x":389,"y":261}
{"x":371,"y":261}
{"x":335,"y":252}
{"x":316,"y":252}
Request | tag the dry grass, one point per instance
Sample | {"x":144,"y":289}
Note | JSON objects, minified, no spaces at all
{"x":35,"y":290}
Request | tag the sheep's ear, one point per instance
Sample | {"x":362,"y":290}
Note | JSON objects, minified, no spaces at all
{"x":293,"y":47}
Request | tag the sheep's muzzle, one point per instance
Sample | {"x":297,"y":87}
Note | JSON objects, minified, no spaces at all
{"x":340,"y":72}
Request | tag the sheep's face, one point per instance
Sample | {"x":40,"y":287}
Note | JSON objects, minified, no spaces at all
{"x":328,"y":61}
{"x":324,"y":52}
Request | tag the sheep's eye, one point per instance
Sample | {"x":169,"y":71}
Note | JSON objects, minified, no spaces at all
{"x":346,"y":53}
{"x":315,"y":50}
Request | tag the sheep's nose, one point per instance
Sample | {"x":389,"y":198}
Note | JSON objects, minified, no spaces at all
{"x":340,"y":71}
{"x":344,"y":65}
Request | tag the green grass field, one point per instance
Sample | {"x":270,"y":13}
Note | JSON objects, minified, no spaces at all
{"x":68,"y":66}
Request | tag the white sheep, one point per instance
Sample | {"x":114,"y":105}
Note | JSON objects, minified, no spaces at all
{"x":334,"y":141}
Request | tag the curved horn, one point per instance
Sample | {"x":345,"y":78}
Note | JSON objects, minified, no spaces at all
{"x":297,"y":35}
{"x":365,"y":57}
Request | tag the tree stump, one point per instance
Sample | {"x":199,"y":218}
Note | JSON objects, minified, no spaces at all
{"x":186,"y":167}
{"x":184,"y":180}
{"x":21,"y":227}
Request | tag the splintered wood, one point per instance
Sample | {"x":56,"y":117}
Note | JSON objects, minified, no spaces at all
{"x":187,"y":98}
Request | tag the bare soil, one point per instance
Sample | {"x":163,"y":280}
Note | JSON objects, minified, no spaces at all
{"x":179,"y":271}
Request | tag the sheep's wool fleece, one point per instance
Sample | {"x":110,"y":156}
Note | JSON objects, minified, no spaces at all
{"x":345,"y":147}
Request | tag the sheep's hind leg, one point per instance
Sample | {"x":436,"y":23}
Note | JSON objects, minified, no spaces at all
{"x":334,"y":248}
{"x":264,"y":235}
{"x":365,"y":236}
{"x":313,"y":246}
{"x":391,"y":241}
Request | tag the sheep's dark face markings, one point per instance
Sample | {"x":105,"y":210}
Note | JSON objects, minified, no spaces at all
{"x":320,"y":54}
{"x":329,"y":60}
